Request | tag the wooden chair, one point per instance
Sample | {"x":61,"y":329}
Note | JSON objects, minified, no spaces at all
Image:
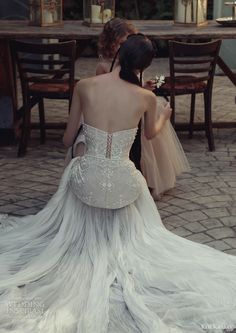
{"x":46,"y":71}
{"x":192,"y":69}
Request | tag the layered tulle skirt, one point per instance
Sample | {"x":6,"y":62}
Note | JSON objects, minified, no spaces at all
{"x":73,"y":268}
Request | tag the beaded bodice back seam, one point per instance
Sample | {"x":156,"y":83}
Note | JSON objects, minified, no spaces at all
{"x":103,"y":144}
{"x":104,"y":176}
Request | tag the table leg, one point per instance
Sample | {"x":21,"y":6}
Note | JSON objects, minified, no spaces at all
{"x":226,"y":70}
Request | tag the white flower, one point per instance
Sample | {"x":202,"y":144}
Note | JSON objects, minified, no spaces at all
{"x":160,"y":80}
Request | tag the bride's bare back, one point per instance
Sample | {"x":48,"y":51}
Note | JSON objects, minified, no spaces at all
{"x":111,"y":104}
{"x":114,"y":102}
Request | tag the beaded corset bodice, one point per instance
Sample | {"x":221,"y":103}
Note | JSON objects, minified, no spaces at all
{"x":101,"y":144}
{"x":104,"y":176}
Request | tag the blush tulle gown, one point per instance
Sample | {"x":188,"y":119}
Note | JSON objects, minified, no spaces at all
{"x":97,"y":258}
{"x":162,"y":158}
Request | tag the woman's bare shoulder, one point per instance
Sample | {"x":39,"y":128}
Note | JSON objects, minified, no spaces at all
{"x":145,"y":92}
{"x":83,"y":83}
{"x":82,"y":86}
{"x":149,"y":97}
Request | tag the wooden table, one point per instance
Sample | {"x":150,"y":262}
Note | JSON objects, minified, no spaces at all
{"x":153,"y":28}
{"x":75,"y":30}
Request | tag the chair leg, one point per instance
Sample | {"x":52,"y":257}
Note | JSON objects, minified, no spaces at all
{"x":208,"y":121}
{"x":192,"y":111}
{"x":42,"y":121}
{"x":69,"y":106}
{"x":25,"y":132}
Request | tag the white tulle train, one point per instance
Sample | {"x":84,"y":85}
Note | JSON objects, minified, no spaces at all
{"x":73,"y":268}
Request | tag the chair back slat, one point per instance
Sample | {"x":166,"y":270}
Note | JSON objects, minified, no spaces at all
{"x":191,"y":79}
{"x":45,"y":71}
{"x":192,"y":70}
{"x":196,"y":60}
{"x":51,"y":63}
{"x":63,"y":48}
{"x":44,"y":62}
{"x":192,"y":49}
{"x":189,"y":61}
{"x":35,"y":79}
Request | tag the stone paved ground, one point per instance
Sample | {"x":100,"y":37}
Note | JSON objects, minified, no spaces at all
{"x":202,"y":206}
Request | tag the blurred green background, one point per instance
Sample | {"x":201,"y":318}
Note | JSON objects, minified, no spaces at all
{"x":132,"y":9}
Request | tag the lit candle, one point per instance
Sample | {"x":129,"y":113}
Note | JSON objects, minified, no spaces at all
{"x":95,"y":14}
{"x":200,"y":13}
{"x":184,"y":12}
{"x":55,"y":16}
{"x":47,"y":16}
{"x":106,"y":15}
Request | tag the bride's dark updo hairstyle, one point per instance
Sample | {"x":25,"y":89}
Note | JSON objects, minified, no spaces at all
{"x":136,"y":53}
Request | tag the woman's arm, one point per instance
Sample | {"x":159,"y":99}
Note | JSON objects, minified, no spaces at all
{"x":74,"y":117}
{"x":153,"y":126}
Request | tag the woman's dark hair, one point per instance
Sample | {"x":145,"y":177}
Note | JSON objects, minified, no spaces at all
{"x":136,"y":53}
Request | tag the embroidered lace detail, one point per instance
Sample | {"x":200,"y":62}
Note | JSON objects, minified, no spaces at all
{"x":109,"y":144}
{"x":100,"y":143}
{"x":105,"y":177}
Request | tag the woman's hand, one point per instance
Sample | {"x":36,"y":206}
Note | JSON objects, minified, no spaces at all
{"x":150,"y":85}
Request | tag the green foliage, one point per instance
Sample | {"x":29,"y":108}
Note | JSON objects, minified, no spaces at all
{"x":73,"y":10}
{"x":144,"y":10}
{"x":131,"y":9}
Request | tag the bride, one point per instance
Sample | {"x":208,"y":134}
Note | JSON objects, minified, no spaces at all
{"x":97,"y":258}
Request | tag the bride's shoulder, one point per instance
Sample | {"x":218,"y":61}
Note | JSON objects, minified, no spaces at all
{"x":81,"y":87}
{"x":147,"y":93}
{"x":85,"y":83}
{"x":149,"y":97}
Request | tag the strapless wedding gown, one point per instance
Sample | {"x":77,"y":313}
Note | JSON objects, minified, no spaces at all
{"x":97,"y":258}
{"x":162,"y":158}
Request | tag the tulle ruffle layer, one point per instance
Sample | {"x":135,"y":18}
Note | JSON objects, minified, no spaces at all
{"x":162,"y":158}
{"x":85,"y":270}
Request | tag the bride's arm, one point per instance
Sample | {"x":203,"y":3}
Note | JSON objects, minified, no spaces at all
{"x":74,"y":117}
{"x":153,"y":126}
